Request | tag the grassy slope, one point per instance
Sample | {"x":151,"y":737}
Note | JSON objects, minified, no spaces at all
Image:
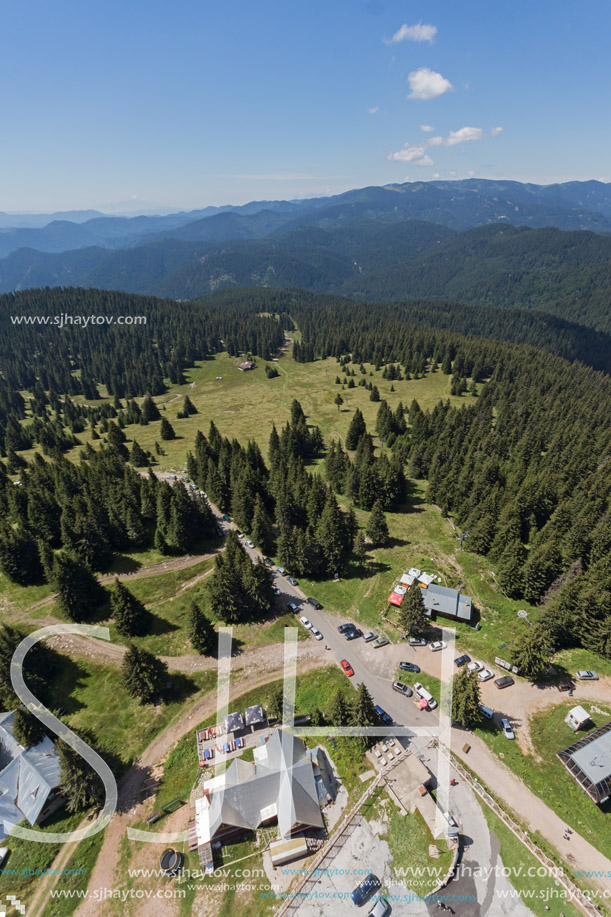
{"x":549,"y":779}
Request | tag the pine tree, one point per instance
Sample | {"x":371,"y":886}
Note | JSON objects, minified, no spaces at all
{"x":27,"y":729}
{"x":377,"y":528}
{"x":138,"y":456}
{"x":130,"y":616}
{"x":261,"y":528}
{"x":533,"y":652}
{"x":79,"y":592}
{"x":375,"y":394}
{"x":412,"y":614}
{"x":143,"y":674}
{"x":359,"y":548}
{"x":338,"y":712}
{"x":201,"y":631}
{"x":275,"y":704}
{"x":466,"y":700}
{"x":80,"y":784}
{"x":338,"y":401}
{"x":355,"y":430}
{"x":363,"y":713}
{"x":188,"y":407}
{"x":149,"y":410}
{"x":167,"y":430}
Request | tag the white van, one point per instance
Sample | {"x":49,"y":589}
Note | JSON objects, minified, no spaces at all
{"x":488,"y":712}
{"x":425,"y":695}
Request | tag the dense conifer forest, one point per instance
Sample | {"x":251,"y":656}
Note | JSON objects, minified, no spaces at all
{"x":521,"y":465}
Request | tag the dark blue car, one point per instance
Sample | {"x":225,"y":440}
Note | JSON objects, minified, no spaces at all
{"x":386,"y":719}
{"x":365,"y":889}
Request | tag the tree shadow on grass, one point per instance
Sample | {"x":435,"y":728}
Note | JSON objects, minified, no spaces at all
{"x":122,"y":564}
{"x":159,"y":625}
{"x":178,"y":688}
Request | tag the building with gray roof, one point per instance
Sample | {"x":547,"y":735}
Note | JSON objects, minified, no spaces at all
{"x":283,"y":784}
{"x":449,"y":603}
{"x":589,"y":761}
{"x":29,"y":778}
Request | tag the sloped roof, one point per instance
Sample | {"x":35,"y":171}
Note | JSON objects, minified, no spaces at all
{"x":29,"y":777}
{"x":281,"y":782}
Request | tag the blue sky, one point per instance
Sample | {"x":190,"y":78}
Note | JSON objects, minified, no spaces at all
{"x":129,"y":105}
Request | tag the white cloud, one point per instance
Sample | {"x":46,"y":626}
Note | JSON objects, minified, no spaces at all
{"x":453,"y":172}
{"x":464,"y":134}
{"x":471,"y":173}
{"x":417,"y":153}
{"x":409,"y":153}
{"x":419,"y":32}
{"x":427,"y":128}
{"x":373,"y":110}
{"x":436,"y":175}
{"x":427,"y":84}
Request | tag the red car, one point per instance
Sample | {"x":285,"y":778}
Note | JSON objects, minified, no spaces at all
{"x":347,"y":668}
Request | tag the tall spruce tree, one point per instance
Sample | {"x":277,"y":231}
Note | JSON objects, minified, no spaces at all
{"x":355,"y":430}
{"x":27,"y":728}
{"x":377,"y":527}
{"x":144,"y":674}
{"x":167,"y":430}
{"x":79,"y":592}
{"x":130,"y":616}
{"x":78,"y":782}
{"x":412,"y":614}
{"x":466,"y":699}
{"x":201,"y":631}
{"x":363,"y":713}
{"x":533,"y":652}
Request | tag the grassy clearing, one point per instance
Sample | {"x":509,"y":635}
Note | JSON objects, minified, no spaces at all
{"x":525,"y":866}
{"x":408,"y":837}
{"x":97,"y":702}
{"x":27,"y":857}
{"x":547,"y":777}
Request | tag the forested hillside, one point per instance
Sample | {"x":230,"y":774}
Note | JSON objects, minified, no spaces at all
{"x":522,"y":465}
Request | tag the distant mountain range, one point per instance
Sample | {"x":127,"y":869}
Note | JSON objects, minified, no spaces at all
{"x":484,"y":242}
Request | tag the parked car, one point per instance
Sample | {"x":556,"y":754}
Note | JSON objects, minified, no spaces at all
{"x":226,"y":517}
{"x":450,"y":820}
{"x":370,"y":636}
{"x":565,"y":685}
{"x":353,"y":634}
{"x":380,"y":909}
{"x":347,"y":668}
{"x":409,"y":667}
{"x":485,"y":675}
{"x":220,"y":532}
{"x":239,"y":534}
{"x":417,"y":641}
{"x":292,"y":581}
{"x":475,"y":666}
{"x":422,"y":692}
{"x":488,"y":712}
{"x":316,"y":632}
{"x":291,"y":606}
{"x":381,"y":641}
{"x":384,"y":716}
{"x":587,"y":675}
{"x":437,"y":645}
{"x":402,"y":688}
{"x":506,"y":728}
{"x":275,"y":590}
{"x":268,"y":561}
{"x":344,"y":628}
{"x":315,"y":603}
{"x":281,"y":571}
{"x":365,"y":889}
{"x":250,"y":543}
{"x":505,"y":681}
{"x":307,"y":624}
{"x":462,"y":660}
